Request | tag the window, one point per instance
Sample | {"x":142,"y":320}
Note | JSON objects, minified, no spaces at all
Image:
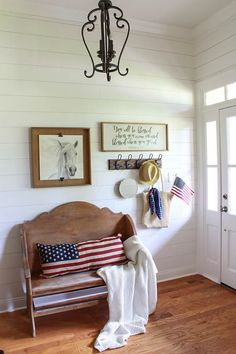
{"x":211,"y":160}
{"x":220,"y":94}
{"x":211,"y":143}
{"x":231,"y":91}
{"x":212,"y":188}
{"x":215,"y":96}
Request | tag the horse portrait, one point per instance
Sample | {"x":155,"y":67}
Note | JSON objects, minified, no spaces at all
{"x":60,"y":157}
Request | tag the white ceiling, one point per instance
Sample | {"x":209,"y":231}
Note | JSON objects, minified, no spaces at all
{"x":184,"y":13}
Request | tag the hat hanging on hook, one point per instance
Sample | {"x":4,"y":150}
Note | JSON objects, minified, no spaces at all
{"x":128,"y":188}
{"x":149,"y":173}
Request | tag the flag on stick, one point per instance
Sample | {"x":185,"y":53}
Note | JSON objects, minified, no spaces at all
{"x":181,"y":190}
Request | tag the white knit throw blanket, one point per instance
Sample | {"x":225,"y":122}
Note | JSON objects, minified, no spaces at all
{"x":132,"y":295}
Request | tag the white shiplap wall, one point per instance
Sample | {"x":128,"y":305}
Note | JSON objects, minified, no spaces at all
{"x":42,"y":84}
{"x":215,"y":45}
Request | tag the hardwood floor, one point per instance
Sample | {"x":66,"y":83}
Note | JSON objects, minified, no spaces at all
{"x":194,"y":315}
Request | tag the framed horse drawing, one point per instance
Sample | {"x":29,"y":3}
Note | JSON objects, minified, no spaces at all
{"x":60,"y":157}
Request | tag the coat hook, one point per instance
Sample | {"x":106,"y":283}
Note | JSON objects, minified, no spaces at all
{"x":119,"y":157}
{"x":131,"y":163}
{"x":127,"y":161}
{"x":140,"y":156}
{"x":138,"y":161}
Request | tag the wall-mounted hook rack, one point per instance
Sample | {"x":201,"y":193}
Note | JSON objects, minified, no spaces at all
{"x":131,"y":163}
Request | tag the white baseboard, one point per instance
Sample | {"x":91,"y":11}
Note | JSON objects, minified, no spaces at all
{"x":215,"y":280}
{"x":11,"y":305}
{"x":176,"y":273}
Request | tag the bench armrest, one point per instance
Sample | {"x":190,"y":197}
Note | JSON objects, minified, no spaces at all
{"x":25,"y":255}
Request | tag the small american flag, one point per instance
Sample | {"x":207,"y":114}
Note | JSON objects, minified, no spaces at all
{"x":181,"y":190}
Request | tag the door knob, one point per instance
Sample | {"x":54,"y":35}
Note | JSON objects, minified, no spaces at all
{"x":224,"y":209}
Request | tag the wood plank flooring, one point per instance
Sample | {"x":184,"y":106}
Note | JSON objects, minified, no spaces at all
{"x":194,"y":315}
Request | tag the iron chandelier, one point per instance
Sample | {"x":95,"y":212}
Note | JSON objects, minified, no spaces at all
{"x":106,"y":52}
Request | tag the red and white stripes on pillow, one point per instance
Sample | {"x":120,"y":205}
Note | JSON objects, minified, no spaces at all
{"x":69,"y":258}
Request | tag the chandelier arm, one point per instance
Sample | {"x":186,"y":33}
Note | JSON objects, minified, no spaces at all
{"x":120,"y":23}
{"x":92,"y":12}
{"x":118,"y":9}
{"x":104,"y":14}
{"x":90,"y":27}
{"x":86,"y":46}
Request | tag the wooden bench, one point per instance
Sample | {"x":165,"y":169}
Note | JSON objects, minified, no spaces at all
{"x":68,"y":223}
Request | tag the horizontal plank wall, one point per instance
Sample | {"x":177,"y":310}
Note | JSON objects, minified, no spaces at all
{"x":215,"y":44}
{"x":42,"y":59}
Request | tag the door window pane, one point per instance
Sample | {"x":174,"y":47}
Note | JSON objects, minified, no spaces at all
{"x":232,"y":190}
{"x":231,"y":140}
{"x":212,"y":189}
{"x":211,"y":143}
{"x":215,"y":96}
{"x":231,"y":91}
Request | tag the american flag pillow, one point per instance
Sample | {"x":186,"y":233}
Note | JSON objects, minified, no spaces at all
{"x":66,"y":258}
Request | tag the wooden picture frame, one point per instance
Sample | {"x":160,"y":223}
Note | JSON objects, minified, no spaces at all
{"x":60,"y":157}
{"x":122,"y":136}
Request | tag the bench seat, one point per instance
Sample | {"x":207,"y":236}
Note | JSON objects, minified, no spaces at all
{"x":69,"y":282}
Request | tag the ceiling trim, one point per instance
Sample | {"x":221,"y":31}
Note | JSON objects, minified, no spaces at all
{"x":224,"y":77}
{"x":228,"y":13}
{"x":62,"y":14}
{"x":167,"y":30}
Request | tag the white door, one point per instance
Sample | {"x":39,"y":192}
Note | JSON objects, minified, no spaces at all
{"x":228,"y":195}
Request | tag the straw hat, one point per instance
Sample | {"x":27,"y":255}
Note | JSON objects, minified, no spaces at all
{"x":149,"y":172}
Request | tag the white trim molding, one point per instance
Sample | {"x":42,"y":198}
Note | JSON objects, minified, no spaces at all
{"x":176,"y":273}
{"x":13,"y":304}
{"x":75,"y":16}
{"x":221,"y":17}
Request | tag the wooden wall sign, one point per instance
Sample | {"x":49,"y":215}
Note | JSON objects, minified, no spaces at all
{"x":134,"y":136}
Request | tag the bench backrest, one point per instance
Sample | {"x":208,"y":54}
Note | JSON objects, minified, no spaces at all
{"x":69,"y":223}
